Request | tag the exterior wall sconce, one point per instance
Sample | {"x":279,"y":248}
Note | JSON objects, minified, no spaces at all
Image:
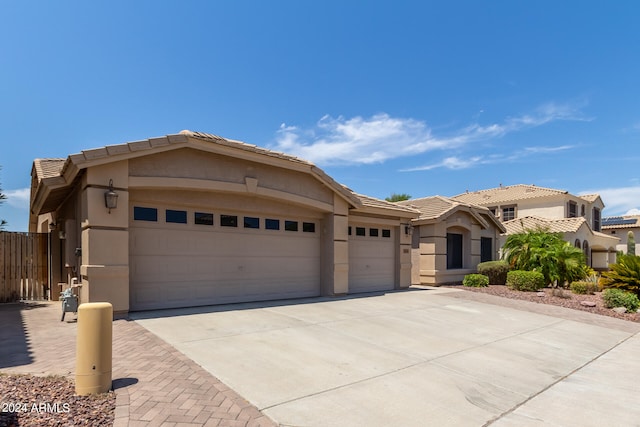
{"x":408,"y":229}
{"x":110,"y":197}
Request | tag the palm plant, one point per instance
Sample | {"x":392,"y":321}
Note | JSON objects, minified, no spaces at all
{"x":569,"y":263}
{"x":624,"y":274}
{"x":546,"y":252}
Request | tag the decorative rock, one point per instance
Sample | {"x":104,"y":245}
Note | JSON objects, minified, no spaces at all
{"x":620,"y":310}
{"x":541,"y":294}
{"x":588,"y":303}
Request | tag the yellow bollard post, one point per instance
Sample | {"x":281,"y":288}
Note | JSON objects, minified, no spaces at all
{"x":93,"y":348}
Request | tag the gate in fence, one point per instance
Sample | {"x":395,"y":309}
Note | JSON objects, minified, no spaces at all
{"x":24,"y":266}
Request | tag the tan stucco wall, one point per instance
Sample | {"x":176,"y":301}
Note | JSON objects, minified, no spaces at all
{"x":429,"y":249}
{"x":105,"y":237}
{"x":188,"y":163}
{"x":336,"y":250}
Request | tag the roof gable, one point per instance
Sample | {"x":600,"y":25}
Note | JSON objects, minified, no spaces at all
{"x":57,"y":176}
{"x":438,"y":208}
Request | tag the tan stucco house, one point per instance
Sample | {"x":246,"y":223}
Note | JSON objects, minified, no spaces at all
{"x":450,"y":238}
{"x":577,"y":218}
{"x":201,"y":219}
{"x":620,"y":226}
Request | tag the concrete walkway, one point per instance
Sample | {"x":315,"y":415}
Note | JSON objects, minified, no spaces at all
{"x":436,"y":357}
{"x":155,"y":384}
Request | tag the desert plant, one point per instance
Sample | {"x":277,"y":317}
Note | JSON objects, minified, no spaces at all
{"x":545,"y":252}
{"x":529,"y":281}
{"x":619,"y":298}
{"x":624,"y":274}
{"x":631,"y":243}
{"x":583,"y":287}
{"x":496,"y":271}
{"x":475,"y":280}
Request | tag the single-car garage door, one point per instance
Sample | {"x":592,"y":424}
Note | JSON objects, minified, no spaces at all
{"x":372,"y":260}
{"x":181,"y":258}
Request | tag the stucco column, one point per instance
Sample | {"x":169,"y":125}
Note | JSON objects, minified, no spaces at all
{"x":336,"y":253}
{"x":105,"y":237}
{"x":403,"y":280}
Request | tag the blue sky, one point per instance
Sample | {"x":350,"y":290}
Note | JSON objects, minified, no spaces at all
{"x":416,"y":97}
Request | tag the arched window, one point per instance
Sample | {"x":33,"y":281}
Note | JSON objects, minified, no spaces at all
{"x":587,"y":253}
{"x":577,"y":243}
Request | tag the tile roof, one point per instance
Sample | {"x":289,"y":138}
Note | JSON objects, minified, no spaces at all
{"x":564,"y":225}
{"x":431,"y":207}
{"x":48,"y":168}
{"x":509,"y":193}
{"x":378,"y":203}
{"x":590,"y":197}
{"x":437,"y":207}
{"x":179,"y":138}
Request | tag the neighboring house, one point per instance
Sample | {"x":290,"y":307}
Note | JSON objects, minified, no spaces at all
{"x":578,"y":218}
{"x":204,"y":220}
{"x":620,"y":226}
{"x":450,"y":238}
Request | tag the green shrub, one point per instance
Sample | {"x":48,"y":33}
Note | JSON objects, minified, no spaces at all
{"x":496,"y":271}
{"x":529,"y":281}
{"x":583,"y":287}
{"x":613,"y":297}
{"x":476,"y":280}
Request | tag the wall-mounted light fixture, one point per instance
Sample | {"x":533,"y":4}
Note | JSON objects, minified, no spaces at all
{"x":408,"y":229}
{"x":110,"y":197}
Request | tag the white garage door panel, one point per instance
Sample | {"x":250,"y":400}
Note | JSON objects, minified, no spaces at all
{"x":176,"y":268}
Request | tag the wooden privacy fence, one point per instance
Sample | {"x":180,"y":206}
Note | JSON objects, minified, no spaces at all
{"x":24,"y":266}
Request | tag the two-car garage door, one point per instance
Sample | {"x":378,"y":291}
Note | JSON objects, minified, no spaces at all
{"x":181,"y":258}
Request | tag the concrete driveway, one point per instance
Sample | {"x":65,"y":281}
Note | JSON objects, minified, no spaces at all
{"x":421,"y":357}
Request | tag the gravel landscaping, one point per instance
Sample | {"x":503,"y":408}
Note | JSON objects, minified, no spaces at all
{"x":546,"y":296}
{"x":30,"y":401}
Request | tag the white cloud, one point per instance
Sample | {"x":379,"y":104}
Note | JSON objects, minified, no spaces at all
{"x":458,"y":163}
{"x":619,"y":201}
{"x":358,"y":140}
{"x":548,"y":149}
{"x":19,"y":198}
{"x":451,"y":163}
{"x":381,"y":137}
